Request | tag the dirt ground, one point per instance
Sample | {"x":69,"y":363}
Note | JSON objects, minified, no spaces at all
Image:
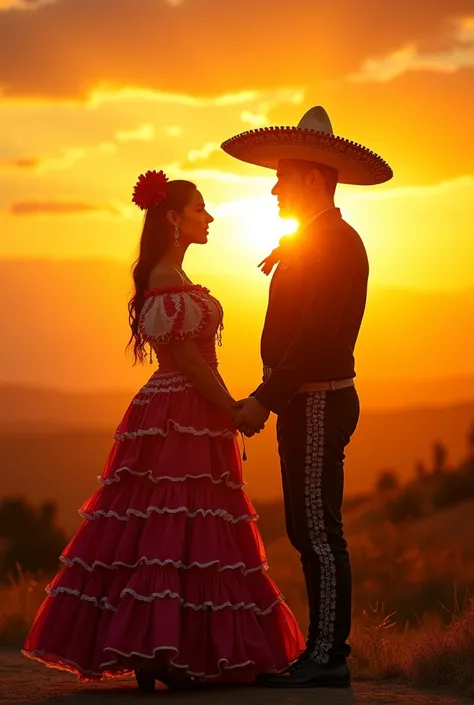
{"x":24,"y":681}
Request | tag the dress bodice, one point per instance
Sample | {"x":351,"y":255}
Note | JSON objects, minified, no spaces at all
{"x":178,"y":313}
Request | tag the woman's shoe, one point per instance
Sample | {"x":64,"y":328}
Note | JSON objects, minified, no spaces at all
{"x":145,"y":681}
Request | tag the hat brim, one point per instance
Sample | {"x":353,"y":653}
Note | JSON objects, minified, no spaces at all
{"x":266,"y":146}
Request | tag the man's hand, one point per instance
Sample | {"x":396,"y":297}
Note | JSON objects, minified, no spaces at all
{"x":251,"y":417}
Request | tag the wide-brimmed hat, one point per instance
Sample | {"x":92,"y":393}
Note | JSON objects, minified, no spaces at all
{"x":311,"y":140}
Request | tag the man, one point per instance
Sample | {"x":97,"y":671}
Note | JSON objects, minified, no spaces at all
{"x":316,"y":305}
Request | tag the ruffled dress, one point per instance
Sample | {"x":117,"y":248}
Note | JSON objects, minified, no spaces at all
{"x":168,"y":563}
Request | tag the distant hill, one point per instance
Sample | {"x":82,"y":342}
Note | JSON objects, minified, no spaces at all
{"x":54,"y":444}
{"x":64,"y":325}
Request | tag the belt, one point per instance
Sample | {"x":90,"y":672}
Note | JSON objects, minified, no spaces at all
{"x":316,"y":386}
{"x":326,"y":386}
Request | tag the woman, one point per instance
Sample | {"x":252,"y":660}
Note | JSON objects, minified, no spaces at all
{"x":165,"y":577}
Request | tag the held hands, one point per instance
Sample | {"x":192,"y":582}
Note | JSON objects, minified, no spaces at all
{"x":250,"y":416}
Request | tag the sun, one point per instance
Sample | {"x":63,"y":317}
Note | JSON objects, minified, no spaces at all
{"x":259,"y":222}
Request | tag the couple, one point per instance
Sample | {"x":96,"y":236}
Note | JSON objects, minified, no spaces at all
{"x":166,"y":575}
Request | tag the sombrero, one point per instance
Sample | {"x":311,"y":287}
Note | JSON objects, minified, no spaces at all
{"x":312,"y":140}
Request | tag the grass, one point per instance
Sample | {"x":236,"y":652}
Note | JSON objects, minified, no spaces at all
{"x":19,"y":601}
{"x":433,"y":654}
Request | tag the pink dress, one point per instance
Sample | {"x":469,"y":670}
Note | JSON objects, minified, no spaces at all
{"x":168,"y":562}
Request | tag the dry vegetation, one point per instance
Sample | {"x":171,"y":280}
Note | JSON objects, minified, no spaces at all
{"x":413,"y":576}
{"x":434,"y":648}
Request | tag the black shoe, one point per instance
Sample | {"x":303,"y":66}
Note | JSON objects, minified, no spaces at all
{"x":145,"y":681}
{"x":305,"y":673}
{"x":173,"y":678}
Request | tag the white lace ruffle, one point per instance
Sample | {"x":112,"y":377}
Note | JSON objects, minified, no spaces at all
{"x":177,"y":314}
{"x":162,"y":384}
{"x":154,"y":391}
{"x":226,"y":433}
{"x":64,"y":664}
{"x":165,"y":510}
{"x":223,"y":478}
{"x":222,"y":664}
{"x":154,"y":388}
{"x":103,"y":603}
{"x":156,"y":561}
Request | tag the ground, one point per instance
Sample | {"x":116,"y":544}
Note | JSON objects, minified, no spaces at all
{"x":24,"y":681}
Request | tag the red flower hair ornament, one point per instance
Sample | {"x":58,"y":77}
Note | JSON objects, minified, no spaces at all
{"x":150,"y":189}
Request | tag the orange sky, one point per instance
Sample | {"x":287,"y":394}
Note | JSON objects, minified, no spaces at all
{"x":93,"y":92}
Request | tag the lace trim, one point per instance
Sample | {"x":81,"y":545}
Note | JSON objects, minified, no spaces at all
{"x":103,"y":603}
{"x":168,"y":383}
{"x":222,"y":664}
{"x":166,"y":510}
{"x":177,"y":427}
{"x":158,"y":390}
{"x":223,"y":478}
{"x":176,"y":313}
{"x":175,"y":289}
{"x":166,"y":377}
{"x":156,"y":561}
{"x":64,"y":664}
{"x":68,"y":666}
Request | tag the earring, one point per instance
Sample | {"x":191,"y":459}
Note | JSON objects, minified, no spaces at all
{"x":176,"y":236}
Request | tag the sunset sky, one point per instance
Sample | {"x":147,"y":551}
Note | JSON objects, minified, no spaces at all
{"x":94,"y":92}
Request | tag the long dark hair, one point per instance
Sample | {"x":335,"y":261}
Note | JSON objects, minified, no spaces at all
{"x":155,"y":240}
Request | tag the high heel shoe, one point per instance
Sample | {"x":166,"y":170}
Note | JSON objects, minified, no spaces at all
{"x":145,"y":681}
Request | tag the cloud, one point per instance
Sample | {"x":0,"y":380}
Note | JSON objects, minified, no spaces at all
{"x":253,"y":119}
{"x":142,"y":133}
{"x":212,"y":160}
{"x":68,"y":158}
{"x":411,"y":58}
{"x":21,"y":163}
{"x":132,"y":94}
{"x":154,"y":45}
{"x":204,"y":153}
{"x":54,"y":207}
{"x":211,"y":171}
{"x":435,"y":190}
{"x":23,"y":4}
{"x":173,"y":131}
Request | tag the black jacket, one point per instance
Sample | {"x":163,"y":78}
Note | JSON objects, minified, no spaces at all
{"x":316,"y":305}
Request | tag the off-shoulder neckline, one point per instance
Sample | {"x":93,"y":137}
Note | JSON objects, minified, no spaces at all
{"x":175,"y":289}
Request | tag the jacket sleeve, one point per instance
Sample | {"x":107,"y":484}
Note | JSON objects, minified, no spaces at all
{"x":328,"y":286}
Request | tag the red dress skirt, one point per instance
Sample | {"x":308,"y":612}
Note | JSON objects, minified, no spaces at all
{"x":168,"y":563}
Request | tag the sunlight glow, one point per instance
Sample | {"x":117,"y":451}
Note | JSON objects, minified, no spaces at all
{"x":259,"y":221}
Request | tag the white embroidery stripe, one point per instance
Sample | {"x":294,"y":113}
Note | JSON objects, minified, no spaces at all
{"x":177,"y":427}
{"x":315,"y":408}
{"x":156,"y":561}
{"x":223,"y":478}
{"x":104,"y":603}
{"x":165,"y":510}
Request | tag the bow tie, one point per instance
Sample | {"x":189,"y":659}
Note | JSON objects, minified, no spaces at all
{"x":288,"y":244}
{"x":284,"y":249}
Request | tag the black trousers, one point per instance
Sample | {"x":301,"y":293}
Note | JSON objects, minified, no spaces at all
{"x":313,"y":432}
